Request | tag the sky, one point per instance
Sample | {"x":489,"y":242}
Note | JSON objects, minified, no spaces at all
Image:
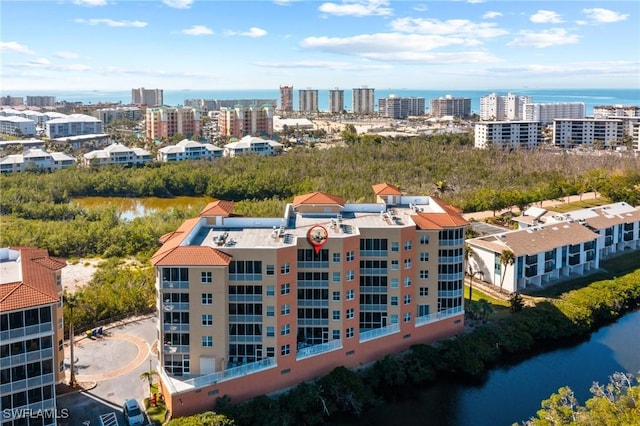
{"x":263,"y":44}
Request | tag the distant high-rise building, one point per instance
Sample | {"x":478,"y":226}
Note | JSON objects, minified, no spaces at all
{"x":500,"y":108}
{"x":336,"y":100}
{"x":448,"y":105}
{"x":246,"y":121}
{"x":308,"y":100}
{"x":149,"y":97}
{"x":363,"y":100}
{"x":508,"y":134}
{"x":546,"y":113}
{"x":41,"y":101}
{"x":589,"y":132}
{"x":400,"y":107}
{"x":11,"y":100}
{"x":165,"y":122}
{"x":604,"y":111}
{"x":286,"y":98}
{"x":207,"y":105}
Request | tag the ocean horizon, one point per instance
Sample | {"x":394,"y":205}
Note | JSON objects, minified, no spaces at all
{"x":590,"y":97}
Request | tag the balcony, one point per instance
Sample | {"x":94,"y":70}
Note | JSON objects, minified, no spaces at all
{"x":178,"y":306}
{"x":379,"y":332}
{"x":175,"y":328}
{"x":175,"y":284}
{"x":30,"y":330}
{"x":231,"y":373}
{"x":450,"y":293}
{"x":437,"y":316}
{"x":318,"y":349}
{"x":176,"y":349}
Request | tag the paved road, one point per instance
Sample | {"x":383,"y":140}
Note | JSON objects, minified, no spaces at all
{"x":114,"y":363}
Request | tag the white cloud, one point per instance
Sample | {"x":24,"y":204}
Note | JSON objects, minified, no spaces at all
{"x":545,"y":17}
{"x":357,"y":8}
{"x":198,"y":30}
{"x":90,"y":3}
{"x":253,"y":32}
{"x":178,"y":4}
{"x":604,"y":16}
{"x":45,"y":64}
{"x":546,"y":38}
{"x":14,"y":46}
{"x":420,"y":7}
{"x":491,"y":15}
{"x":66,"y":55}
{"x":572,"y":69}
{"x":451,"y":27}
{"x":112,"y":23}
{"x":331,"y":65}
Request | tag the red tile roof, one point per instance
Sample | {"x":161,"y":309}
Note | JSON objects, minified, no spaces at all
{"x":192,"y":256}
{"x":451,"y":217}
{"x":218,"y":208}
{"x":318,"y":198}
{"x":386,"y":189}
{"x":38,"y":285}
{"x":173,"y":239}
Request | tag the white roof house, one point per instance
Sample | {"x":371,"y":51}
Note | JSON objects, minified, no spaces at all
{"x":17,"y":126}
{"x":189,"y":150}
{"x":72,"y":125}
{"x":252,"y":145}
{"x":117,"y":154}
{"x":35,"y":158}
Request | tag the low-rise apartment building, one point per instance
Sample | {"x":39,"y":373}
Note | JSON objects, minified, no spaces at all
{"x":588,"y":132}
{"x":508,"y":134}
{"x":31,"y":335}
{"x":35,"y":159}
{"x":117,"y":153}
{"x":241,"y":121}
{"x":107,"y":115}
{"x":72,"y":125}
{"x":17,"y":126}
{"x":164,"y":122}
{"x":189,"y":150}
{"x":248,"y":306}
{"x":252,"y":145}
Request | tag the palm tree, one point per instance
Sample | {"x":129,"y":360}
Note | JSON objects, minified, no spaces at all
{"x":71,"y":301}
{"x":506,"y":258}
{"x":149,"y":375}
{"x":468,"y":254}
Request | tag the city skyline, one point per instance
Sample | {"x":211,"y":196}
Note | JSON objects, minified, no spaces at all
{"x":198,"y":44}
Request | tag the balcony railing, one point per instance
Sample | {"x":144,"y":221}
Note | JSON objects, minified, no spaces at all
{"x":231,"y":373}
{"x":379,"y":332}
{"x":175,"y":327}
{"x":46,"y":327}
{"x":318,"y":349}
{"x":176,"y":349}
{"x":175,"y":284}
{"x":437,"y":316}
{"x":450,"y":293}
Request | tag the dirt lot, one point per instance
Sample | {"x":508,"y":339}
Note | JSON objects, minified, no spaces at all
{"x":79,"y":273}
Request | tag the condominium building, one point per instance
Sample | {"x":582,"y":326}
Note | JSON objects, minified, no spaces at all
{"x":450,"y":106}
{"x":117,"y":153}
{"x":41,"y":101}
{"x":12,"y":100}
{"x":189,"y":150}
{"x":400,"y":107}
{"x":588,"y":132}
{"x":35,"y":159}
{"x":72,"y":125}
{"x":336,"y":101}
{"x":553,"y":246}
{"x":501,"y":108}
{"x":246,"y":121}
{"x":607,"y":111}
{"x":165,"y":122}
{"x":106,"y":115}
{"x":248,"y":306}
{"x":286,"y":98}
{"x":363,"y":100}
{"x":308,"y":100}
{"x":252,"y":145}
{"x":208,"y":105}
{"x":546,"y":113}
{"x":148,"y":97}
{"x":17,"y":126}
{"x":508,"y":134}
{"x":31,"y":335}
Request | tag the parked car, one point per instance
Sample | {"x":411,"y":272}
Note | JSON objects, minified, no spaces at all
{"x":133,"y":415}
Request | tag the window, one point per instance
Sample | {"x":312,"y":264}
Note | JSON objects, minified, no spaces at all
{"x":285,"y":288}
{"x":285,"y":268}
{"x":395,"y":246}
{"x":271,"y":269}
{"x":207,"y":298}
{"x":407,"y":281}
{"x":351,"y":255}
{"x":394,"y":318}
{"x":424,"y":257}
{"x":271,"y":352}
{"x":350,"y":313}
{"x":407,"y":299}
{"x":394,"y":265}
{"x":424,"y":291}
{"x":207,"y":341}
{"x":271,"y":291}
{"x":349,"y":332}
{"x":336,"y":335}
{"x":407,"y":264}
{"x":206,"y":277}
{"x":424,"y":275}
{"x":336,"y":315}
{"x":350,"y":295}
{"x":336,"y":257}
{"x":351,"y":275}
{"x":407,"y":317}
{"x":423,"y":310}
{"x":285,"y":330}
{"x":285,"y":350}
{"x":408,"y":244}
{"x":336,"y":277}
{"x":394,"y":300}
{"x":285,"y":309}
{"x":271,"y":331}
{"x":424,"y":239}
{"x":270,"y":311}
{"x":394,"y":283}
{"x":336,"y":296}
{"x":207,"y":319}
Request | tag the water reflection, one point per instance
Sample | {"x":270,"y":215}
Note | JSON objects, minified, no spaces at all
{"x":130,"y":208}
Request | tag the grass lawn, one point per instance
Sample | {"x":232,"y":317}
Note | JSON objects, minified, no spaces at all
{"x":584,"y":204}
{"x":156,"y":413}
